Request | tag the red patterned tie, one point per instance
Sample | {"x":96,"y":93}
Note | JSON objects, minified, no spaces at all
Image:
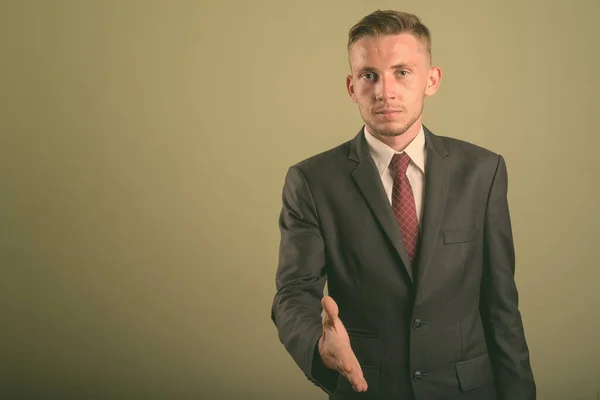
{"x":403,"y":203}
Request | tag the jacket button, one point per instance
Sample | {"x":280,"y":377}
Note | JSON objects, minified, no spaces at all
{"x":417,"y":376}
{"x":417,"y":323}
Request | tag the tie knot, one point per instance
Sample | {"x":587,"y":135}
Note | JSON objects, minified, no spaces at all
{"x":400,"y":162}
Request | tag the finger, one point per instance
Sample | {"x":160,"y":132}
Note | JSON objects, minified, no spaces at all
{"x":331,"y":310}
{"x":353,"y":372}
{"x":355,"y":376}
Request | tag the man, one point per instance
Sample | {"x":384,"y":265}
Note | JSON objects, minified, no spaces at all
{"x":412,"y":232}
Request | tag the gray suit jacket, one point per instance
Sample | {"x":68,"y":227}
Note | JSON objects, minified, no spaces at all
{"x":449,"y":325}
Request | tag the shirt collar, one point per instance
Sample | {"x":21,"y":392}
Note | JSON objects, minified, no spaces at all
{"x":382,"y":154}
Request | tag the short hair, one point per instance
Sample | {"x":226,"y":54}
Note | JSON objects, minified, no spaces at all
{"x":390,"y":22}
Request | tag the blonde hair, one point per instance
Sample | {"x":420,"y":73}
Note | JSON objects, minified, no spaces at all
{"x":390,"y":22}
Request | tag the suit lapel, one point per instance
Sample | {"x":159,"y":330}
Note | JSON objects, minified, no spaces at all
{"x":436,"y":188}
{"x":368,"y":181}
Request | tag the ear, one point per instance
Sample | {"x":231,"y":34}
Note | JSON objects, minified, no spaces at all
{"x":350,"y":88}
{"x":433,"y":81}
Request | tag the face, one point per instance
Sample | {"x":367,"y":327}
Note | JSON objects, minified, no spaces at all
{"x":391,"y":75}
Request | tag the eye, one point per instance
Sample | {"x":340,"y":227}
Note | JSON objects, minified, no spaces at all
{"x":403,"y":73}
{"x":368,"y":76}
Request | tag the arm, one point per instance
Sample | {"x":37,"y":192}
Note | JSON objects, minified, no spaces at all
{"x":499,"y":298}
{"x":300,"y":280}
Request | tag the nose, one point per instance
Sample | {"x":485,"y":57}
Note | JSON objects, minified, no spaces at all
{"x":386,"y":88}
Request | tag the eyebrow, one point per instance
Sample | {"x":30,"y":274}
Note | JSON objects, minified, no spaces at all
{"x":397,"y":66}
{"x":404,"y":65}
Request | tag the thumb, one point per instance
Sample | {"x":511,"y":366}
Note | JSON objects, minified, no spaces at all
{"x":331,"y":310}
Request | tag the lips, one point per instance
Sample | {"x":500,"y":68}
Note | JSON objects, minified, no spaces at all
{"x":387,"y":113}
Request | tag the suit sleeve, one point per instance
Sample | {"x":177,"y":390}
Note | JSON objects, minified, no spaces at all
{"x":501,"y":317}
{"x":300,"y":280}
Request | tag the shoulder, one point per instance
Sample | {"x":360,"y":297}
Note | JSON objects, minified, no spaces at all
{"x":324,"y":161}
{"x":468,"y":149}
{"x":470,"y":154}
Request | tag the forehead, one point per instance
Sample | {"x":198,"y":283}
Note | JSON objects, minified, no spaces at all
{"x":388,"y":50}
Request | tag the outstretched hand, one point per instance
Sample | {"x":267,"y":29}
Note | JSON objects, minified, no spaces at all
{"x":335,"y":349}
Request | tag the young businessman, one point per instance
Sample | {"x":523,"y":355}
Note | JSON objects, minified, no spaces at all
{"x":412,"y":232}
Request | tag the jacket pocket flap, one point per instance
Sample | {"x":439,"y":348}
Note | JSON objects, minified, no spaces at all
{"x":360,"y":332}
{"x":458,"y":236}
{"x":474,"y":373}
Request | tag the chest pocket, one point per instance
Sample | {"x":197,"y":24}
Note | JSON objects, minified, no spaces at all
{"x":460,"y":235}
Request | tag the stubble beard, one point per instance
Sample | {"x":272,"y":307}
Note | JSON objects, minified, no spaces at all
{"x":401,"y":130}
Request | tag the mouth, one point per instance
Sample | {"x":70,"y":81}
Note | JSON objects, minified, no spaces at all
{"x":387,"y":113}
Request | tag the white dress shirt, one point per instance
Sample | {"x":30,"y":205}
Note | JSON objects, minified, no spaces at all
{"x":382,"y":155}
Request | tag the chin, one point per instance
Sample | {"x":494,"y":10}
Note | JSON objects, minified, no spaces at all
{"x":391,"y":129}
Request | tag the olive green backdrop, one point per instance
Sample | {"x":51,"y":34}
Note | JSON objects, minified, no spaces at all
{"x":142,"y":154}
